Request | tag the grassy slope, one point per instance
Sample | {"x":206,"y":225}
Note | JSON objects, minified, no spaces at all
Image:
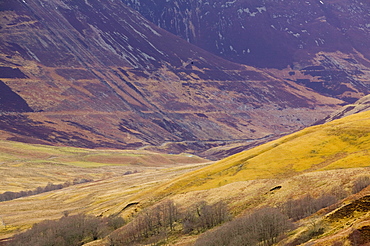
{"x":314,"y":161}
{"x":343,"y":143}
{"x":318,"y":160}
{"x":27,"y":166}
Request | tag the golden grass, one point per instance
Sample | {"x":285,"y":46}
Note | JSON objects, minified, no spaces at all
{"x":314,"y":161}
{"x":343,"y":143}
{"x":106,"y":196}
{"x":27,"y":166}
{"x":17,"y":152}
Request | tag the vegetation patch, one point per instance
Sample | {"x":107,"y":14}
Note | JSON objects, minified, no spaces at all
{"x":361,"y":205}
{"x":9,"y":195}
{"x":360,"y":236}
{"x":157,"y":224}
{"x":262,"y":227}
{"x":72,"y":230}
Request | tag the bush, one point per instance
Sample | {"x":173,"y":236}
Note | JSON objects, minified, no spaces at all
{"x":68,"y":231}
{"x":339,"y":192}
{"x":263,"y":227}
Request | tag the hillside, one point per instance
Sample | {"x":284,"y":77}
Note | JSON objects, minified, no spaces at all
{"x":25,"y":166}
{"x":98,"y":180}
{"x":98,"y":74}
{"x":326,"y":162}
{"x":339,"y":144}
{"x":322,"y":161}
{"x":319,"y":44}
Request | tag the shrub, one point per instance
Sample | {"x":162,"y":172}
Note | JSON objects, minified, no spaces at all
{"x":339,"y":192}
{"x":262,"y":227}
{"x":313,"y":231}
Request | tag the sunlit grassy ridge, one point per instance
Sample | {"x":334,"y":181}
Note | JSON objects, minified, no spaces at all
{"x":20,"y":152}
{"x":26,"y":166}
{"x":343,"y":143}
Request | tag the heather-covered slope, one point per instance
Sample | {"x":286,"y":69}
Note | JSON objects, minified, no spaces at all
{"x":97,"y":74}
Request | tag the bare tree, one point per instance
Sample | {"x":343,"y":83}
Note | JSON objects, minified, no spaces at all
{"x":262,"y":227}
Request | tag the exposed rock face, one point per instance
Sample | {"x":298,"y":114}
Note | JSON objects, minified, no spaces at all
{"x":95,"y":73}
{"x":323,"y":40}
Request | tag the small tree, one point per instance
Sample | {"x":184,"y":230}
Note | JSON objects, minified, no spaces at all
{"x":204,"y":216}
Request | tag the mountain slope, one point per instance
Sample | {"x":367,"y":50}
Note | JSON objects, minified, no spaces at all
{"x":298,"y":28}
{"x":97,"y":74}
{"x":321,"y":43}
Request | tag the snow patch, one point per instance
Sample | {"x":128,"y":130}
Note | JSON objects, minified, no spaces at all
{"x":250,"y":13}
{"x":319,"y":41}
{"x":228,"y":4}
{"x":88,"y":4}
{"x":261,"y":9}
{"x":151,"y":29}
{"x":220,"y":35}
{"x":147,"y":57}
{"x":33,"y":55}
